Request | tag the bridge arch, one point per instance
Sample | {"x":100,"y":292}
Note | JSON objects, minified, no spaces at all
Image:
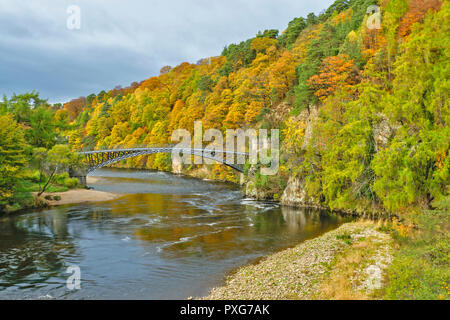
{"x":101,"y":158}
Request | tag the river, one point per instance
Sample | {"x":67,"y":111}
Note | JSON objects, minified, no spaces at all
{"x":167,"y":237}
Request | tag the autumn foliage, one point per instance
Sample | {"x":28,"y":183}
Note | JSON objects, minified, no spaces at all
{"x":335,"y":71}
{"x":363,"y":114}
{"x":75,"y":106}
{"x":417,"y":11}
{"x":355,"y":82}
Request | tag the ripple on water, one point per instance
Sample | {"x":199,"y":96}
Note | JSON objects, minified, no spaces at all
{"x":170,"y":237}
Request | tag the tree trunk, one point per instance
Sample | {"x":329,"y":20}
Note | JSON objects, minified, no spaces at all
{"x":48,"y":182}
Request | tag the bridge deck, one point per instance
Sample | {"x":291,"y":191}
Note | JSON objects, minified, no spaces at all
{"x":97,"y":159}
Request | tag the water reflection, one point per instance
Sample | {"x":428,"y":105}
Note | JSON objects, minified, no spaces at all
{"x":34,"y":250}
{"x":168,"y":237}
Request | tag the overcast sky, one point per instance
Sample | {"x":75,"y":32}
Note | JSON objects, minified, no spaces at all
{"x":121,"y":41}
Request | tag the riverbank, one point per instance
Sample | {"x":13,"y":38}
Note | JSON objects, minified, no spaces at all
{"x":51,"y":199}
{"x":76,"y":196}
{"x":346,"y":263}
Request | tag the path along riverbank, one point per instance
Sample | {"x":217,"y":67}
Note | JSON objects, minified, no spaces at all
{"x":346,"y":263}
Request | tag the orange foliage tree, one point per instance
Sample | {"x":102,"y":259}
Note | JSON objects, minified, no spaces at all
{"x":336,"y":71}
{"x":75,"y":106}
{"x":417,"y":11}
{"x":282,"y":75}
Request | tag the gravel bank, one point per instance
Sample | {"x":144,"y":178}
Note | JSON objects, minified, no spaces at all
{"x":300,"y":272}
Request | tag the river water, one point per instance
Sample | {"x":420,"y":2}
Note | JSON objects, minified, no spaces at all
{"x":167,"y":237}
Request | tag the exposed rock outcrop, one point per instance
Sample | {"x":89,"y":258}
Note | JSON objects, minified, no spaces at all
{"x":382,"y":132}
{"x":294,"y":194}
{"x":308,"y":117}
{"x":252,"y":191}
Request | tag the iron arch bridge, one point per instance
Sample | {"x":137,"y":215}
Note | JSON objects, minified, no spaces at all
{"x":101,"y":158}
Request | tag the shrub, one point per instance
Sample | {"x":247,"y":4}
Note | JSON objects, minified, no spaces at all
{"x":61,"y":178}
{"x":71,"y":183}
{"x":420,"y":268}
{"x":347,"y":238}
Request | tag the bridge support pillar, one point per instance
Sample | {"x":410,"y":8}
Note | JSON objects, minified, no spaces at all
{"x":241,"y":179}
{"x":80,"y":174}
{"x":82,"y":180}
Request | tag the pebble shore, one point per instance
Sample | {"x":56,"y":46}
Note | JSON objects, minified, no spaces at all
{"x":299,"y":272}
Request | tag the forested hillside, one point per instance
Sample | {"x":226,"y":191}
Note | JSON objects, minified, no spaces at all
{"x":362,"y":111}
{"x":380,"y":138}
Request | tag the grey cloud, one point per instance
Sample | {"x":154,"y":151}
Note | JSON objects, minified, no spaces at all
{"x":123,"y":41}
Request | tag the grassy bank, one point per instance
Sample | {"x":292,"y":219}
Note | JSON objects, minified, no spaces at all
{"x":30,"y":183}
{"x":421,"y":265}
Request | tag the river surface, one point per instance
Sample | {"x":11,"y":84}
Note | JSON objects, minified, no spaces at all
{"x":167,"y":237}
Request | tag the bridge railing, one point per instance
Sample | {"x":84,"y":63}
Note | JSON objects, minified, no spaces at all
{"x":103,"y":157}
{"x":122,"y":147}
{"x":136,"y":148}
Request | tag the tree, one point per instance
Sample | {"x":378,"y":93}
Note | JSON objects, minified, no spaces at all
{"x":59,"y":158}
{"x":272,"y":33}
{"x":292,"y":32}
{"x":261,"y":44}
{"x":326,"y":44}
{"x":282,"y":74}
{"x":293,"y":132}
{"x":75,"y":106}
{"x":337,"y":7}
{"x":22,"y":105}
{"x":417,"y":11}
{"x":414,"y":167}
{"x":4,"y":106}
{"x":89,"y":99}
{"x":38,"y":159}
{"x":336,"y":71}
{"x":311,"y":19}
{"x":205,"y":83}
{"x":42,"y":131}
{"x":12,"y":157}
{"x":238,"y":56}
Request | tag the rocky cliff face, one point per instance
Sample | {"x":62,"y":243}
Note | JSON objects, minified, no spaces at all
{"x":382,"y":132}
{"x":308,"y":116}
{"x":294,"y":194}
{"x":251,"y":189}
